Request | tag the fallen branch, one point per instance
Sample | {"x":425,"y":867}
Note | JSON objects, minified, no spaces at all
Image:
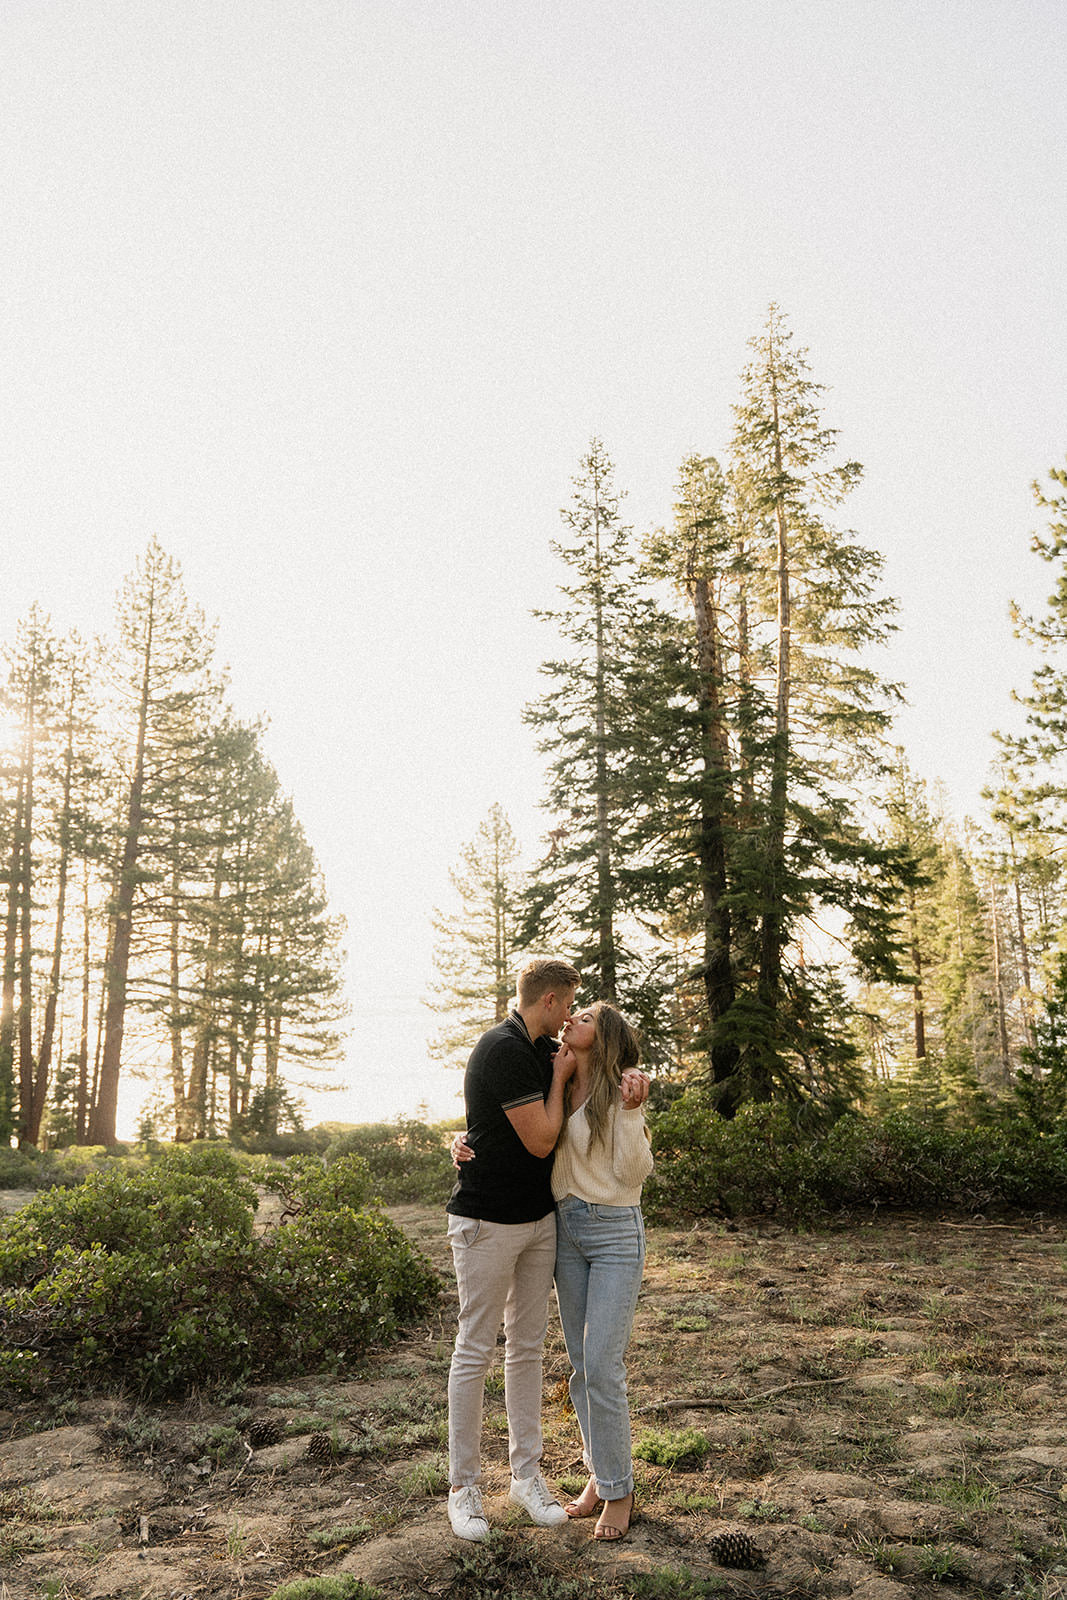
{"x":737,"y":1400}
{"x":1037,"y":1488}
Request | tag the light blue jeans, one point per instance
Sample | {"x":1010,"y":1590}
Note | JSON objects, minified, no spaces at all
{"x":600,"y":1256}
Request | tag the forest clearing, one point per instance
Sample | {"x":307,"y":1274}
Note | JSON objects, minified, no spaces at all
{"x":879,"y":1404}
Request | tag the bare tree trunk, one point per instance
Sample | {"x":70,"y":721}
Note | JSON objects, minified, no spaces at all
{"x":27,"y":1132}
{"x":194,"y":1109}
{"x":918,"y":999}
{"x":105,"y":1108}
{"x":11,"y":925}
{"x":1027,"y":1002}
{"x":711,"y":842}
{"x":772,"y":925}
{"x":182,"y":1133}
{"x":82,"y":1114}
{"x":606,"y":960}
{"x":998,"y":989}
{"x":501,"y":932}
{"x":44,"y":1059}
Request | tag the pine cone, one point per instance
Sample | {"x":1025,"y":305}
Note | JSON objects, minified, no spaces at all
{"x":263,"y":1432}
{"x":735,"y":1549}
{"x":319,"y":1448}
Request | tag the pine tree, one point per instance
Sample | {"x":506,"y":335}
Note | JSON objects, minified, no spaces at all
{"x":586,"y":895}
{"x":816,"y":602}
{"x":476,"y":953}
{"x":696,"y":801}
{"x":167,"y":693}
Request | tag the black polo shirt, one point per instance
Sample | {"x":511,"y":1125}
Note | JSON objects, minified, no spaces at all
{"x":504,"y":1182}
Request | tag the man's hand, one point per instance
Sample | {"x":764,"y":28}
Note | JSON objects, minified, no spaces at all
{"x":634,"y":1088}
{"x":460,"y":1150}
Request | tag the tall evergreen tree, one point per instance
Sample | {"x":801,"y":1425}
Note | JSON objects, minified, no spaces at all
{"x":476,"y":953}
{"x":167,"y":695}
{"x":584,"y":895}
{"x":817,"y":604}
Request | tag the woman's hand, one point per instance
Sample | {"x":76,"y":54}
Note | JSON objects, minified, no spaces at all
{"x":634,"y":1088}
{"x":460,"y":1150}
{"x":564,"y":1063}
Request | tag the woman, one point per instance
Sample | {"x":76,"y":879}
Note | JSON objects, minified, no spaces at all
{"x":601,"y":1160}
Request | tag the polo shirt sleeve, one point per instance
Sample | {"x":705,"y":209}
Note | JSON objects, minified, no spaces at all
{"x":517,"y":1080}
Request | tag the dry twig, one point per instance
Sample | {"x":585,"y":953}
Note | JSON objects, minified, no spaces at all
{"x":738,"y":1400}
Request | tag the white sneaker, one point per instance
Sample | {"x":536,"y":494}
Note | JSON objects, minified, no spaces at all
{"x":534,"y":1495}
{"x":466,"y":1513}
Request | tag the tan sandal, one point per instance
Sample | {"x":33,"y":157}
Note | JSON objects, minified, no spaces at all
{"x":610,"y":1531}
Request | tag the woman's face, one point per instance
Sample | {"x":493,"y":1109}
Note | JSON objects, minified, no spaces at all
{"x":580,"y":1031}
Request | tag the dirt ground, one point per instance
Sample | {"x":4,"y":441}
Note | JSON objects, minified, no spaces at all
{"x":881,"y":1406}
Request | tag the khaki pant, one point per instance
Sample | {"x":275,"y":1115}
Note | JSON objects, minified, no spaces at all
{"x":503,"y":1271}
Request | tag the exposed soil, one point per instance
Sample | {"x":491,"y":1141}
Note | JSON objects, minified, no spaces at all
{"x":883,"y":1408}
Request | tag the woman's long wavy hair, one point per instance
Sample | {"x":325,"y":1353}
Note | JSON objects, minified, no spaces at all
{"x":614,"y":1051}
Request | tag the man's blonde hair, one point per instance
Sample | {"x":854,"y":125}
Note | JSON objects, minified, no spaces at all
{"x":544,"y":974}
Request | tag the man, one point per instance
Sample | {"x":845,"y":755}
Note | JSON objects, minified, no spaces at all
{"x":502,"y":1229}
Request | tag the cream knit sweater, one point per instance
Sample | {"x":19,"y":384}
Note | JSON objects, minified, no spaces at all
{"x":610,"y":1175}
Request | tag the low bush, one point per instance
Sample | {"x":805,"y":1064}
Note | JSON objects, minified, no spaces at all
{"x":761,"y":1162}
{"x":155,"y":1277}
{"x":408,"y":1161}
{"x":46,"y":1169}
{"x":677,"y":1448}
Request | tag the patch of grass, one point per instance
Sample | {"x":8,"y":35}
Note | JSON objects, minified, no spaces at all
{"x":941,"y":1563}
{"x":682,"y":1500}
{"x":219,"y":1444}
{"x":236,"y":1542}
{"x":426,"y":1478}
{"x":968,"y":1493}
{"x":874,"y":1449}
{"x":691,"y":1325}
{"x":956,"y":1400}
{"x":732,"y":1264}
{"x":20,"y":1522}
{"x":504,"y":1566}
{"x":673,"y":1447}
{"x":346,"y":1533}
{"x":136,"y":1435}
{"x":759,"y":1458}
{"x":673,"y":1583}
{"x":759,"y":1511}
{"x":859,"y":1348}
{"x":328,"y":1588}
{"x":886,"y":1557}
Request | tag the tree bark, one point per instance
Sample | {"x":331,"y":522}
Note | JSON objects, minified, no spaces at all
{"x":606,"y":957}
{"x":711,"y":842}
{"x":771,"y":931}
{"x":105,"y":1108}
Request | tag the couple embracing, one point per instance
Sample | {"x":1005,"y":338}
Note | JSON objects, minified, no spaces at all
{"x":550,"y":1175}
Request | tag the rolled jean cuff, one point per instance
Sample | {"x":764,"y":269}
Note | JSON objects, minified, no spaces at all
{"x":617,"y":1490}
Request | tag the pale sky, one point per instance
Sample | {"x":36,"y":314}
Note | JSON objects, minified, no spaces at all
{"x":331,"y":296}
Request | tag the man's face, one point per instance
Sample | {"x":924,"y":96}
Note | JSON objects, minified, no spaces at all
{"x":558,"y":1009}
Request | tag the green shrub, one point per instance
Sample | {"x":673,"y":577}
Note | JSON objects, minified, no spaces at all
{"x":340,"y":1587}
{"x":760,"y":1161}
{"x":673,"y":1447}
{"x":408,"y":1162}
{"x":707,"y":1165}
{"x":45,"y":1169}
{"x":155,"y":1276}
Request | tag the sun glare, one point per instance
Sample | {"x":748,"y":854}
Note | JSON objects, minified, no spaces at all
{"x":10,"y":730}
